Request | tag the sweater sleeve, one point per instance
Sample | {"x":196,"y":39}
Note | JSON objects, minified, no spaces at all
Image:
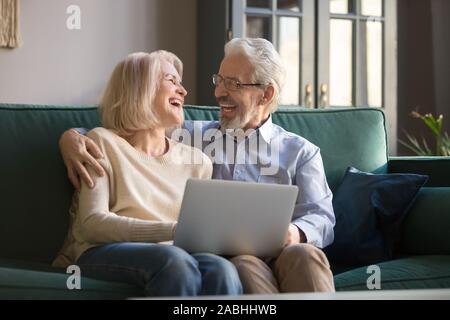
{"x":207,"y":168}
{"x":97,"y":225}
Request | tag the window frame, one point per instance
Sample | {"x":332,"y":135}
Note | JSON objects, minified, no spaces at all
{"x":359,"y":96}
{"x":306,"y":17}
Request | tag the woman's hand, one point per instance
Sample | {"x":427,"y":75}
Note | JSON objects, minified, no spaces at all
{"x":78,"y":151}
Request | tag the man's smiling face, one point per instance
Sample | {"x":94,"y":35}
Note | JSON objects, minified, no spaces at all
{"x":241,"y":108}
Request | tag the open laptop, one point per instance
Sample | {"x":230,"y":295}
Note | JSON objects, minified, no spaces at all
{"x":234,"y":218}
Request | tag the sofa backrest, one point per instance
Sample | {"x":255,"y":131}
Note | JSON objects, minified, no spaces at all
{"x":346,"y":137}
{"x":35,"y":192}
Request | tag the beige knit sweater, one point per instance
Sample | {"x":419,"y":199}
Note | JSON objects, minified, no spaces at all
{"x":138,"y":200}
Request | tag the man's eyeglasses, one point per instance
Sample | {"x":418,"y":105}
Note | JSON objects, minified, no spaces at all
{"x":232,"y":84}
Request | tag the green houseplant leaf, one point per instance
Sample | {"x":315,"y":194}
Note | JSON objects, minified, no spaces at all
{"x":442,"y":139}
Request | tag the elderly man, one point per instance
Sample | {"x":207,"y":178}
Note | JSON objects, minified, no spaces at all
{"x":248,"y":88}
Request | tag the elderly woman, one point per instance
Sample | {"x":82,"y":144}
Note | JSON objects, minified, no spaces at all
{"x":117,"y":226}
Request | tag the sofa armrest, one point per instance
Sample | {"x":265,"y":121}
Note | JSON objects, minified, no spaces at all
{"x":437,"y":168}
{"x":425,"y":229}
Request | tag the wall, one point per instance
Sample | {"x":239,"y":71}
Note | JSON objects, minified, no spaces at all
{"x":59,"y":66}
{"x":440,"y":10}
{"x":423,"y":65}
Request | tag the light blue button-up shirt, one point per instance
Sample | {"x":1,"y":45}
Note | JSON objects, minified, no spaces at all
{"x":281,"y":157}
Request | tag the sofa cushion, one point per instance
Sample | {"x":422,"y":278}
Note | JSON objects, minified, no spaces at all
{"x":369,"y":209}
{"x":418,"y":272}
{"x":426,"y":228}
{"x":22,"y":280}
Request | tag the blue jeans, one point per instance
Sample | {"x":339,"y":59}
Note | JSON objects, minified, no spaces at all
{"x":161,"y":270}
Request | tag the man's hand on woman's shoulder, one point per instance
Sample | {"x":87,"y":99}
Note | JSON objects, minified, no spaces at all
{"x":78,"y":151}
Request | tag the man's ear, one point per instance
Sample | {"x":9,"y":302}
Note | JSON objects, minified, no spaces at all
{"x":269,"y":93}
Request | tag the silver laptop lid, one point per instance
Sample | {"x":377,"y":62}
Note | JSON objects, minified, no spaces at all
{"x":234,"y":218}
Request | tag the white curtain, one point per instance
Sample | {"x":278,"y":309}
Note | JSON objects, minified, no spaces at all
{"x":9,"y":24}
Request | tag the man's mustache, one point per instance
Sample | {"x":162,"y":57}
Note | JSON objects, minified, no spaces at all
{"x":226,"y":101}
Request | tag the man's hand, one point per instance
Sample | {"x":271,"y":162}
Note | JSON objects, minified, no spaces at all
{"x":77,"y":151}
{"x":294,"y":235}
{"x":174,"y":229}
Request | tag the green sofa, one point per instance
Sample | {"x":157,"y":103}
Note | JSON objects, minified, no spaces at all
{"x":35,"y":196}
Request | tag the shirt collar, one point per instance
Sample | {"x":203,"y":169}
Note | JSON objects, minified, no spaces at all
{"x":266,"y":130}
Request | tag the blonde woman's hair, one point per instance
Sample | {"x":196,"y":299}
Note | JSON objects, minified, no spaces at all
{"x":128,"y":100}
{"x":267,"y":63}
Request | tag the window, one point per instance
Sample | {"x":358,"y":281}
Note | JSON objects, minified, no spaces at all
{"x":355,"y":53}
{"x":287,"y":24}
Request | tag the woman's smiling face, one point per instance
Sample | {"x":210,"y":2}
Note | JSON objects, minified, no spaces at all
{"x":169,"y":99}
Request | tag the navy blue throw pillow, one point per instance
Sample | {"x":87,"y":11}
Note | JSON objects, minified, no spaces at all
{"x":369,"y":210}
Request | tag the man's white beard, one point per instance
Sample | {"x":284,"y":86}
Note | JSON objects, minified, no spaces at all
{"x":238,"y":122}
